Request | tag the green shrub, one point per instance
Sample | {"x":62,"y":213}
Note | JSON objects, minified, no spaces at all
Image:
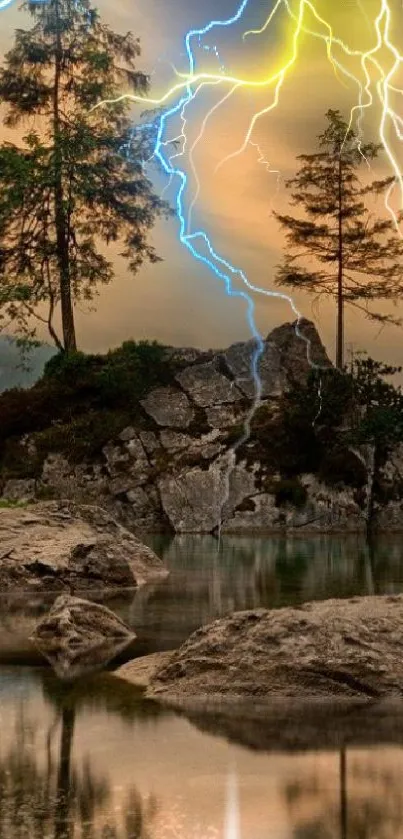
{"x":122,"y":376}
{"x":80,"y":403}
{"x":289,"y":491}
{"x":83,"y":437}
{"x":342,"y":466}
{"x":70,"y":367}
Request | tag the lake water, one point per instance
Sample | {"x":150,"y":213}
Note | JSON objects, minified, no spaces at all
{"x":98,"y":761}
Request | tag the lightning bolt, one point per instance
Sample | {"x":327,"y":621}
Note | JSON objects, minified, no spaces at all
{"x":190,"y":85}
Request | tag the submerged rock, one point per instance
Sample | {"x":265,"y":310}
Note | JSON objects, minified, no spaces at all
{"x":79,"y":637}
{"x":343,"y":649}
{"x":61,"y":545}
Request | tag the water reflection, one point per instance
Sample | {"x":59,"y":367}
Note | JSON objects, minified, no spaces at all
{"x":43,"y":792}
{"x":210,"y":578}
{"x":100,"y":762}
{"x":370,"y":803}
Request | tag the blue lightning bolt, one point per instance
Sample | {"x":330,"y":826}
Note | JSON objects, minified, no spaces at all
{"x":221,"y":268}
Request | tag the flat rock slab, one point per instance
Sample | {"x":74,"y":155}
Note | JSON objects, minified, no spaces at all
{"x":79,"y":637}
{"x":207,"y":386}
{"x":169,"y":406}
{"x":140,"y":671}
{"x":59,"y":545}
{"x":340,"y":649}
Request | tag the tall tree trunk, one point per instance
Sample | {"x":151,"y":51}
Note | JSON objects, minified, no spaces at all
{"x":62,"y":248}
{"x":340,"y":256}
{"x":372,"y":475}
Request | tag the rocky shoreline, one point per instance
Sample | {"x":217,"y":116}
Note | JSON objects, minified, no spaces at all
{"x":61,"y":546}
{"x":340,"y":649}
{"x":325,"y":675}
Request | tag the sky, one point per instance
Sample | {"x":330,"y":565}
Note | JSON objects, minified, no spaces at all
{"x":179,"y":301}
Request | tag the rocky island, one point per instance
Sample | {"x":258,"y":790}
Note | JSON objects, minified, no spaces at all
{"x":155,"y":435}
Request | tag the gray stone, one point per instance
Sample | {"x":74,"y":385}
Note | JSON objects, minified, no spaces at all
{"x":327,"y":509}
{"x":241,"y":486}
{"x":223,"y":416}
{"x":169,"y":406}
{"x":192,"y":499}
{"x":136,"y":449}
{"x":121,"y":484}
{"x":139,"y":500}
{"x":341,"y":649}
{"x":116,"y":458}
{"x":262,"y":515}
{"x":59,"y":545}
{"x":79,"y":637}
{"x":172,"y":441}
{"x":300,"y":348}
{"x":149,"y":441}
{"x":200,"y":500}
{"x":55,"y":470}
{"x":239,"y":358}
{"x":210,"y":450}
{"x":19,"y":490}
{"x":207,"y":386}
{"x":127,"y":434}
{"x":188,"y":355}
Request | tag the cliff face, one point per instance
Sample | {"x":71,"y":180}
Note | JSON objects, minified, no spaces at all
{"x":183,"y":464}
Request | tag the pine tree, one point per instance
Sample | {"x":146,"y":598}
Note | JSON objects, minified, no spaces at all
{"x":70,"y":188}
{"x":339,"y":249}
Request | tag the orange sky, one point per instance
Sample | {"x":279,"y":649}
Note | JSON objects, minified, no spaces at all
{"x":179,"y":301}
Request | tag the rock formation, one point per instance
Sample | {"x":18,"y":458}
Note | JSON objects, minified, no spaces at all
{"x":179,"y":466}
{"x":79,"y":637}
{"x":56,"y":546}
{"x":340,"y":649}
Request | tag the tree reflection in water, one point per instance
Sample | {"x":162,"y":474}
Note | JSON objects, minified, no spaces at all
{"x":50,"y":798}
{"x":369,"y":805}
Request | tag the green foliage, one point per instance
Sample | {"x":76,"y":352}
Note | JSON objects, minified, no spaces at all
{"x":340,"y":465}
{"x":83,"y":437}
{"x":121,"y":377}
{"x":290,"y":491}
{"x":378,"y":417}
{"x":335,"y":246}
{"x":288,"y":442}
{"x":335,"y":411}
{"x":79,"y":405}
{"x":6,"y":503}
{"x":77,"y":183}
{"x":69,"y":366}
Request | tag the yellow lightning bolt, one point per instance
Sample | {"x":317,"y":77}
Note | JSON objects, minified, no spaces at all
{"x":338,"y":52}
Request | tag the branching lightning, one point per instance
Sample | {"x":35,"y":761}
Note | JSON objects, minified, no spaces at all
{"x":304,"y":18}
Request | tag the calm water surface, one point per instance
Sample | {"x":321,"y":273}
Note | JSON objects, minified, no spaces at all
{"x":97,"y":761}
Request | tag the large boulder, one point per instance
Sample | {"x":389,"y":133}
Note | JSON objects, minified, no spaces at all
{"x":239,"y":360}
{"x":169,"y":406}
{"x":199,"y":500}
{"x":79,"y":637}
{"x":193,"y":499}
{"x":300,"y":349}
{"x":336,"y":649}
{"x":207,"y":386}
{"x":61,"y":545}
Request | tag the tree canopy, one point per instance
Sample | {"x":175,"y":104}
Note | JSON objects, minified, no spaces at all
{"x":77,"y":181}
{"x":336,"y":246}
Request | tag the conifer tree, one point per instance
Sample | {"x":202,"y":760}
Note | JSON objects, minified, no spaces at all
{"x":69,"y":188}
{"x":336,"y":247}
